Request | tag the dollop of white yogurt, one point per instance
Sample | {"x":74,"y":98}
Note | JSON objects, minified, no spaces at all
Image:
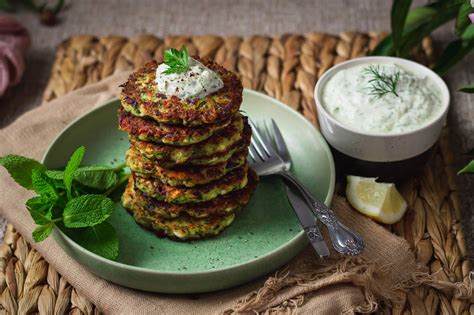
{"x":197,"y":82}
{"x":348,"y":98}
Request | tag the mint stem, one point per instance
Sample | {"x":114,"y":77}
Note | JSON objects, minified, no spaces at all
{"x":122,"y":180}
{"x":119,"y":167}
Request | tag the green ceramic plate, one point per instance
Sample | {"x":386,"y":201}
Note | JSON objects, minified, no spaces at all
{"x":263,"y":237}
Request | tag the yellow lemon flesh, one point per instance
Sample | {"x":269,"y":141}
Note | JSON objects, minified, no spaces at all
{"x":379,"y":201}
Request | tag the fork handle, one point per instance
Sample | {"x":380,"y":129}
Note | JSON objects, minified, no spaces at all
{"x":344,"y":240}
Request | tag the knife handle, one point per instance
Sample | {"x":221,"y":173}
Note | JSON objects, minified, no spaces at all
{"x":344,"y":240}
{"x":317,"y":241}
{"x":308,"y":222}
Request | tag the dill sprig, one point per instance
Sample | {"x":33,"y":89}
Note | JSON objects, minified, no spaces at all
{"x":381,"y":83}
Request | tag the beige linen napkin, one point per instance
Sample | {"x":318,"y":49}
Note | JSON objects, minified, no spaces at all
{"x":344,"y":285}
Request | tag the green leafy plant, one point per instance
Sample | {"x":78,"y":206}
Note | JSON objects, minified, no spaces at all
{"x":456,"y":51}
{"x":47,"y":13}
{"x":409,"y":27}
{"x":468,"y":89}
{"x":75,"y":199}
{"x":469,"y":168}
{"x":177,"y":61}
{"x":398,"y":15}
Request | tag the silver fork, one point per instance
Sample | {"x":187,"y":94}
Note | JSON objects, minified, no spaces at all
{"x":266,"y":161}
{"x":302,"y":211}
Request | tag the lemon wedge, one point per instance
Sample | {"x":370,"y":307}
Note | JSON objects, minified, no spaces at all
{"x":379,"y":201}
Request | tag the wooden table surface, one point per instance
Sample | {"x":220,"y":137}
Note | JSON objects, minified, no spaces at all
{"x":124,"y":17}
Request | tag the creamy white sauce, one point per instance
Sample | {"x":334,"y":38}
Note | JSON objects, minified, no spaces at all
{"x":346,"y":96}
{"x":197,"y":82}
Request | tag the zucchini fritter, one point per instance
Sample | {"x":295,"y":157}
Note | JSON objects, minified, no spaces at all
{"x":146,"y":129}
{"x":186,"y":175}
{"x":141,"y":97}
{"x":217,"y":149}
{"x":153,"y":187}
{"x":183,"y":228}
{"x":133,"y":199}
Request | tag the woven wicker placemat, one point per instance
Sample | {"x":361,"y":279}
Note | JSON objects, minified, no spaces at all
{"x":286,"y":68}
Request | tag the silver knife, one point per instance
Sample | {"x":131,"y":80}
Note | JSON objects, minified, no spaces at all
{"x":308,"y":221}
{"x":303,"y":212}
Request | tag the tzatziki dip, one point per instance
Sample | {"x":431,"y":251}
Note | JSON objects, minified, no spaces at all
{"x":197,"y":81}
{"x":381,"y":97}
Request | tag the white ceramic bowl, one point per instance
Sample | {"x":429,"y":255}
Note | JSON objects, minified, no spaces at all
{"x":380,"y":148}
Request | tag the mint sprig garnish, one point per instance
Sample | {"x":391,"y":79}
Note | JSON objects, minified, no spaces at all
{"x":177,"y":61}
{"x":75,"y":199}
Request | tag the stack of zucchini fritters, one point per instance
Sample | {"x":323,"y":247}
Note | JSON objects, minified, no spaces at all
{"x":188,"y":157}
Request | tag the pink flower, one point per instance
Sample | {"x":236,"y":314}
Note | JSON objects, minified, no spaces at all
{"x":471,"y":17}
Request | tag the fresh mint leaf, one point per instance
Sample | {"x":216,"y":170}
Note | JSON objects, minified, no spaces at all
{"x":41,"y":218}
{"x":96,"y":176}
{"x":43,"y":185}
{"x":468,"y":89}
{"x":71,"y":167}
{"x":469,"y":168}
{"x":177,"y":61}
{"x":39,"y":203}
{"x":54,"y":174}
{"x":100,"y":239}
{"x":42,"y":232}
{"x":40,"y":209}
{"x":20,"y":168}
{"x":57,"y":178}
{"x":87,"y":210}
{"x":398,"y":17}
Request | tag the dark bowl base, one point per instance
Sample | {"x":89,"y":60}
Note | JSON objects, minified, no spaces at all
{"x":391,"y":172}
